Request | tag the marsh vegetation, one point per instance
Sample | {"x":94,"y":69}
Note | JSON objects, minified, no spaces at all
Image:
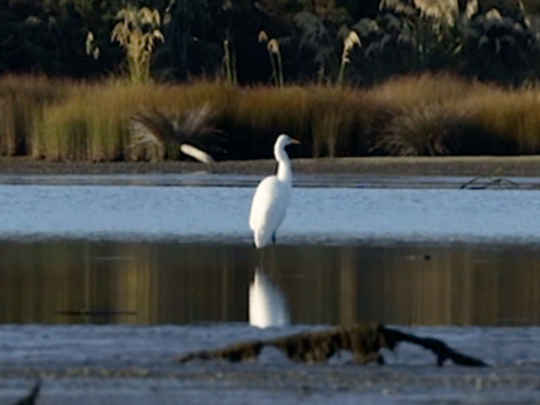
{"x":392,"y":77}
{"x":414,"y":115}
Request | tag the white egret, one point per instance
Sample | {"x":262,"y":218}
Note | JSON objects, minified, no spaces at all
{"x":272,"y":197}
{"x":267,"y":305}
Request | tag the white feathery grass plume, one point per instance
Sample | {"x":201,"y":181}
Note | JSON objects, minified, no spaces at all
{"x":273,"y":46}
{"x":273,"y":51}
{"x":136,"y":31}
{"x":351,"y":40}
{"x":494,"y":14}
{"x":472,"y":8}
{"x":91,"y":48}
{"x":349,"y":43}
{"x":447,"y":10}
{"x":263,"y":36}
{"x":196,"y":153}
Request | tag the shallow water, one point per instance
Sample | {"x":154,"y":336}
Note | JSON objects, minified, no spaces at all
{"x":93,"y":249}
{"x":168,"y":263}
{"x":316,"y":215}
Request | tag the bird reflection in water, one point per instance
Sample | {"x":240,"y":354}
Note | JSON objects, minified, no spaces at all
{"x":267,"y":304}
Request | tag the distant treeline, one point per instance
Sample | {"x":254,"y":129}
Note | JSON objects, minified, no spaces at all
{"x":493,"y":40}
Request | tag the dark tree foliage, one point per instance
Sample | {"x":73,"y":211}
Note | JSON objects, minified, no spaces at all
{"x":49,"y":37}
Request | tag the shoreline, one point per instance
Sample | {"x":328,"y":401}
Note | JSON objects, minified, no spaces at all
{"x":478,"y":166}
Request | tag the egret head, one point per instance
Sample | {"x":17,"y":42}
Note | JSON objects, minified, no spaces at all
{"x":284,"y":140}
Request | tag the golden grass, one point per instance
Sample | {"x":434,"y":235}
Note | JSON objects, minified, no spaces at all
{"x":414,"y":115}
{"x":23,"y":100}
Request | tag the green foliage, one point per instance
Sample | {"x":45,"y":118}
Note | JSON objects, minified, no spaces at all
{"x":48,"y":37}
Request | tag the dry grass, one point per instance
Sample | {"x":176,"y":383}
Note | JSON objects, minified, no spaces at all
{"x":513,"y":116}
{"x":23,"y":100}
{"x":415,"y":115}
{"x":93,"y":123}
{"x":445,"y":115}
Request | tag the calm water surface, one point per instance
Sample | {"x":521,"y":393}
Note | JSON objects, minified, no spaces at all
{"x":156,"y":283}
{"x":177,"y":249}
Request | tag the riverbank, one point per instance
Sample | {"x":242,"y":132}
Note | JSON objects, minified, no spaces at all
{"x":504,"y":166}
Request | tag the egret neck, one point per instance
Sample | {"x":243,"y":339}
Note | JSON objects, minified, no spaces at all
{"x":284,"y":172}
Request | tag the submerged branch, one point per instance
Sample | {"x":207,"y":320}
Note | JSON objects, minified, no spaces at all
{"x":482,"y":183}
{"x":363,"y":340}
{"x":31,"y":398}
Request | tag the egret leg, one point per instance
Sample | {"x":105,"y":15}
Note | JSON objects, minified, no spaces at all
{"x":274,"y":238}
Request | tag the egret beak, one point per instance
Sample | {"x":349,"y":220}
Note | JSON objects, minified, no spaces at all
{"x":295,"y":141}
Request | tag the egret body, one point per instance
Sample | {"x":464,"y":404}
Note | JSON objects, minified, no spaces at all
{"x":272,"y":197}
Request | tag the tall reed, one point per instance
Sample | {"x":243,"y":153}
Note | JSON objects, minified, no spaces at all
{"x":23,"y":100}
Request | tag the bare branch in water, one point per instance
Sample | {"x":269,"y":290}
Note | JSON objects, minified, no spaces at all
{"x":31,"y":398}
{"x":482,"y":183}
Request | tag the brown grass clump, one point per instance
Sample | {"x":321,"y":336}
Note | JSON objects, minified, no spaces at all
{"x":427,"y":130}
{"x":343,"y":121}
{"x":426,"y":89}
{"x":257,"y":114}
{"x":445,"y":115}
{"x":513,"y":116}
{"x":93,"y":123}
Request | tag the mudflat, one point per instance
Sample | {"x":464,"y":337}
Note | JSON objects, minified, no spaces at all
{"x":122,"y":364}
{"x":527,"y":166}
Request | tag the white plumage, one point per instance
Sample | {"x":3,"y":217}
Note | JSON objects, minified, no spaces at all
{"x":272,"y":197}
{"x":267,"y":305}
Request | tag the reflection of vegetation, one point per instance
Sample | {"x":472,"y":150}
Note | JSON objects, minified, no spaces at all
{"x":148,"y":283}
{"x":364,"y":341}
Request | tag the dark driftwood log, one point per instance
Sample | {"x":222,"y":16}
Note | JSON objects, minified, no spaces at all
{"x":31,"y":398}
{"x":363,"y":340}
